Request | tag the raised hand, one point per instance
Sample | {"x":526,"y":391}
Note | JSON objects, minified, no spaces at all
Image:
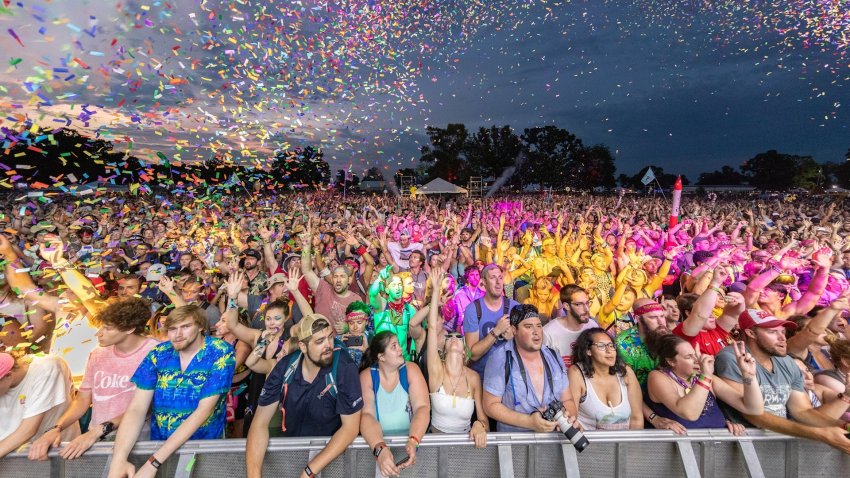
{"x":293,"y":279}
{"x":234,"y":283}
{"x":265,"y":232}
{"x":54,"y":250}
{"x":746,"y":362}
{"x":166,"y":285}
{"x":706,"y":362}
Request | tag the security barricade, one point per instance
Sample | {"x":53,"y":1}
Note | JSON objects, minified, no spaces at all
{"x":646,"y":453}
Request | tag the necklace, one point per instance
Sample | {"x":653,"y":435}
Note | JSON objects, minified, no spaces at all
{"x":682,"y":383}
{"x":454,"y":387}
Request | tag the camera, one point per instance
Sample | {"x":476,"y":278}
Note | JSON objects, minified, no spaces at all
{"x":555,"y":413}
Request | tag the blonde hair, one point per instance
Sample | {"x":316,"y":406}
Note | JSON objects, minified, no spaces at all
{"x":193,"y":312}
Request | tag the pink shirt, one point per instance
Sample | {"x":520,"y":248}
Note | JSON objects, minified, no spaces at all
{"x":107,"y":377}
{"x":331,"y":305}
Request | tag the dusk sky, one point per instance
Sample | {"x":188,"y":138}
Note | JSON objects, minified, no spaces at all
{"x":687,"y":85}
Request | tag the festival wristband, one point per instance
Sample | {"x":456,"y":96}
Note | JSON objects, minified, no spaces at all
{"x":308,"y":471}
{"x":416,"y":440}
{"x":154,"y":462}
{"x":704,"y":385}
{"x":718,"y":290}
{"x":231,"y":303}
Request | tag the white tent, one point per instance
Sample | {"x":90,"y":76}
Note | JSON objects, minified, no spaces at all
{"x":440,"y":186}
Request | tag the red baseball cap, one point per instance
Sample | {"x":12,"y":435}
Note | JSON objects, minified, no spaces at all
{"x":758,"y":318}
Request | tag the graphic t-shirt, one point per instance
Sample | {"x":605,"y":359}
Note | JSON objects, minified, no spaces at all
{"x":107,"y":377}
{"x":775,"y":386}
{"x":710,"y":341}
{"x":46,"y":388}
{"x":329,"y":304}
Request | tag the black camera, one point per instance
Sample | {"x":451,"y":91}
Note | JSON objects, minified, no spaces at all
{"x":555,"y":413}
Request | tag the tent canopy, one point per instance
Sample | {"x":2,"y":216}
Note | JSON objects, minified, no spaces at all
{"x":440,"y":186}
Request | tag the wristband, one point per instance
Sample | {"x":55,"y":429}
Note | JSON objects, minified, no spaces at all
{"x":308,"y":471}
{"x":704,"y":378}
{"x":704,"y":385}
{"x":493,"y":333}
{"x":378,"y":449}
{"x":154,"y":462}
{"x":57,"y":427}
{"x":718,"y":290}
{"x":231,"y":303}
{"x":652,"y":416}
{"x":411,"y":437}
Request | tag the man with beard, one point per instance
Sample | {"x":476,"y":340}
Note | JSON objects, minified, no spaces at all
{"x":332,"y":299}
{"x":535,"y":377}
{"x":250,"y":262}
{"x":184,"y":382}
{"x":314,"y":401}
{"x":781,"y":383}
{"x":631,"y":343}
{"x":700,"y":327}
{"x":561,"y":333}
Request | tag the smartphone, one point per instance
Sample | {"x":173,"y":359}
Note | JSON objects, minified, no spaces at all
{"x":354,"y":341}
{"x":402,"y":461}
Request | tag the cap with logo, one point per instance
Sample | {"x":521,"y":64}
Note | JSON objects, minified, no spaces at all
{"x":758,"y":318}
{"x":155,"y":272}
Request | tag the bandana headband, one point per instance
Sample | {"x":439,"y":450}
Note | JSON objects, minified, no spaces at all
{"x":647,"y":308}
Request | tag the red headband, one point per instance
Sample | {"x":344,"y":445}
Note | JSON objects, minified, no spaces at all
{"x":356,"y":315}
{"x":647,"y":308}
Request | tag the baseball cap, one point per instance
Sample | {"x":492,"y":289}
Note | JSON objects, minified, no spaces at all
{"x":758,"y":318}
{"x":155,"y":272}
{"x":311,"y":324}
{"x":252,"y":253}
{"x":275,"y":279}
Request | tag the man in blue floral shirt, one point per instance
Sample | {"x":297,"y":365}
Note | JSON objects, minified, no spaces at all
{"x":184,"y":382}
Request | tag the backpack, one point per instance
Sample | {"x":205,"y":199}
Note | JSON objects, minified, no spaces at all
{"x":330,"y":379}
{"x":546,"y":371}
{"x":376,"y":383}
{"x":506,"y":304}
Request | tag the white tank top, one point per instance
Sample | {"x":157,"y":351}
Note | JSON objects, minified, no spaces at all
{"x":594,"y":415}
{"x":451,"y":414}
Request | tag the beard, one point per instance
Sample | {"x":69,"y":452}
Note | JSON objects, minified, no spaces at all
{"x":322,"y":361}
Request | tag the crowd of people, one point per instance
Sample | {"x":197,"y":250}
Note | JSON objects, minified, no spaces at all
{"x":259,"y":316}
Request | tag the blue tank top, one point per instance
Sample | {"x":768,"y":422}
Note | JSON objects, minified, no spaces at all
{"x":712,"y":416}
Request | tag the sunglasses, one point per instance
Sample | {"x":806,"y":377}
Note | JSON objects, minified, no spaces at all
{"x":454,"y":335}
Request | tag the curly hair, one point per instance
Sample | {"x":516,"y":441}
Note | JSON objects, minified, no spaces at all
{"x":839,"y":349}
{"x":582,"y":358}
{"x":131,"y":313}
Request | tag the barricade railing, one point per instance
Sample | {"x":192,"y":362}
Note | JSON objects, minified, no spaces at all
{"x":650,"y":453}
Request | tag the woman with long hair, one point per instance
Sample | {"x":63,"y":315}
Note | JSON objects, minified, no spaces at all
{"x":683,"y":389}
{"x":604,"y":387}
{"x":456,"y":391}
{"x":395,"y":401}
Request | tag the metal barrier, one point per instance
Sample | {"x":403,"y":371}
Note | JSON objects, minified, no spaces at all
{"x":647,"y":453}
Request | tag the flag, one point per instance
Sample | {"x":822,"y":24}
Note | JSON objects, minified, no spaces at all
{"x":648,"y":177}
{"x":349,"y":175}
{"x":233,"y":181}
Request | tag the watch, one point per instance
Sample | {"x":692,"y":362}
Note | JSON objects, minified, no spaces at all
{"x":108,"y":427}
{"x":154,"y":462}
{"x":378,"y":449}
{"x":309,"y":472}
